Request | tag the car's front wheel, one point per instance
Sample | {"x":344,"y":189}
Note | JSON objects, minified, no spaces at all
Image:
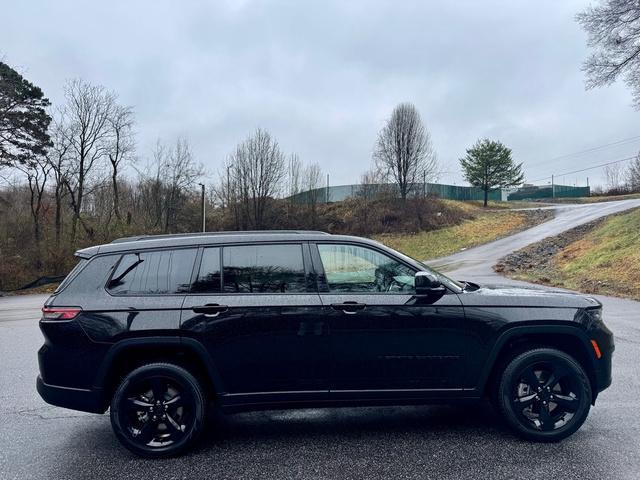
{"x":158,"y":410}
{"x":544,"y":395}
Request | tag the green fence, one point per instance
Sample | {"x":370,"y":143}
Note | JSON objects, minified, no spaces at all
{"x":342,"y":192}
{"x":557,"y":191}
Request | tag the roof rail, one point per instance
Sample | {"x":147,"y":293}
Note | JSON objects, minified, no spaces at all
{"x":213,"y":234}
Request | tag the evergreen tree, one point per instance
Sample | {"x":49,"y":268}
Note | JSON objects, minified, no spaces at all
{"x":23,"y":119}
{"x":489,"y":165}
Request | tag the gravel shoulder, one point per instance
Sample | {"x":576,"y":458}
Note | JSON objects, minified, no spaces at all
{"x":598,"y":257}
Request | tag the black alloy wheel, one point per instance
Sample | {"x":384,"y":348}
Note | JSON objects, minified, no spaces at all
{"x":158,"y":410}
{"x":544,"y":395}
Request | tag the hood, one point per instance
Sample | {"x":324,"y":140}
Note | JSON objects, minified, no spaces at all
{"x":522,"y":296}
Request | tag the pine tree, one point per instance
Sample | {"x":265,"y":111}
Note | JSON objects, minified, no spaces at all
{"x":489,"y":165}
{"x":23,"y":119}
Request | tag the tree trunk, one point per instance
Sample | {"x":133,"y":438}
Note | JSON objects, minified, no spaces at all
{"x":58,"y":219}
{"x":116,"y":203}
{"x":486,"y":195}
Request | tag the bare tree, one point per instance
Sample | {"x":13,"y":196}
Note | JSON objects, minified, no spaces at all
{"x":57,"y":157}
{"x":404,"y":149}
{"x":180,"y":173}
{"x":614,"y":175}
{"x":37,"y":172}
{"x":312,"y":180}
{"x":258,"y":170}
{"x":294,"y":175}
{"x":633,"y":174}
{"x":166,"y":184}
{"x":121,"y":147}
{"x":86,"y":114}
{"x":613,"y":30}
{"x":372,"y":184}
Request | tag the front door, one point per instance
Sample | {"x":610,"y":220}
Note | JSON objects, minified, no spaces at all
{"x":384,"y":338}
{"x":258,"y":313}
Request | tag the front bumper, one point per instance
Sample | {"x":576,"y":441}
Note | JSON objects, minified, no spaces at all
{"x":74,"y":398}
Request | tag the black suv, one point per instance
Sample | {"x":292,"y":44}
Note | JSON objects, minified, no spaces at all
{"x":158,"y":328}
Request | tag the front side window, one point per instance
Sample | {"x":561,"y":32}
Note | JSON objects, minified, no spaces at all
{"x":263,"y":269}
{"x":153,"y":273}
{"x":355,"y":269}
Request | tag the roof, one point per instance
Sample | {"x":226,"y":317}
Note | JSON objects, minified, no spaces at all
{"x":143,"y":242}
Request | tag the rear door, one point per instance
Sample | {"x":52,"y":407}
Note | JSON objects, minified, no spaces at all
{"x":256,"y":309}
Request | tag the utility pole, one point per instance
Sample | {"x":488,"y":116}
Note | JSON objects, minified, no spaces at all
{"x":327,"y":195}
{"x":204,"y":223}
{"x":553,"y":187}
{"x":228,"y":193}
{"x":424,"y":184}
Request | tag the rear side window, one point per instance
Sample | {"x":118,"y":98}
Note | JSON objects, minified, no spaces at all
{"x":209,"y":279}
{"x":263,"y":269}
{"x":152,"y":273}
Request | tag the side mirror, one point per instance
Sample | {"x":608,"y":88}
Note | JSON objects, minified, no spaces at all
{"x":428,"y":284}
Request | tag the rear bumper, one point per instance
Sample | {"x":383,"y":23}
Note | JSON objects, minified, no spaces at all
{"x":74,"y":398}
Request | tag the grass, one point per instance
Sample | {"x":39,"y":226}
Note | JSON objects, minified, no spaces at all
{"x":476,"y":205}
{"x":595,"y":199}
{"x":606,"y":260}
{"x":485,"y":227}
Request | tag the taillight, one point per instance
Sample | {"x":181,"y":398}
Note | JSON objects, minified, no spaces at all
{"x":60,"y":313}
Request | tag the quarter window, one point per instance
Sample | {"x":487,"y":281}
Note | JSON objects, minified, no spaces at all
{"x":263,"y":269}
{"x":153,"y":273}
{"x":355,"y":269}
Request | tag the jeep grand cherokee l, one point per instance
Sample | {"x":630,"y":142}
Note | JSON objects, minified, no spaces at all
{"x":158,"y":328}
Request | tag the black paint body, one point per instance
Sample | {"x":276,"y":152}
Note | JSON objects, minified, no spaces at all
{"x":273,"y":350}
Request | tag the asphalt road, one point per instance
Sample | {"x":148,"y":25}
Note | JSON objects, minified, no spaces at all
{"x":40,"y":441}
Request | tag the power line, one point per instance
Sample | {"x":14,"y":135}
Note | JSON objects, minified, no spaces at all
{"x":585,"y":169}
{"x":593,"y":149}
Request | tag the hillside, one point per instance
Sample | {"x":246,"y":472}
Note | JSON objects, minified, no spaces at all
{"x":598,"y":257}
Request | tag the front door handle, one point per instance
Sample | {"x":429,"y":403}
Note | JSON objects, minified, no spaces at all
{"x":210,"y":310}
{"x":349,"y":307}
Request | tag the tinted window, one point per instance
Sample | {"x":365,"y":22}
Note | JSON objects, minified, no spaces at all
{"x":92,"y":276}
{"x":350,"y":268}
{"x":263,"y":269}
{"x":161,"y":272}
{"x":209,"y":279}
{"x":71,"y":275}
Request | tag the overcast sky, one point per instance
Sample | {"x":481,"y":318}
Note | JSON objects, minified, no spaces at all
{"x":323,"y":76}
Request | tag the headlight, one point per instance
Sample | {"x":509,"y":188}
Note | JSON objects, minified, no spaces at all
{"x":594,"y":318}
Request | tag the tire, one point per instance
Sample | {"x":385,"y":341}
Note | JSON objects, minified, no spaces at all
{"x":158,"y":410}
{"x":544,"y":395}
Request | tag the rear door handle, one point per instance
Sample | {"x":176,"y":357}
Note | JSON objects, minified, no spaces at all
{"x":210,"y":309}
{"x":349,"y":307}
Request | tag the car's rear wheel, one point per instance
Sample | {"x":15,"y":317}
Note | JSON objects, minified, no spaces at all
{"x":158,"y":410}
{"x":544,"y":395}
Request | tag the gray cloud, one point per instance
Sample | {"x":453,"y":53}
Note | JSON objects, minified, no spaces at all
{"x":323,"y":76}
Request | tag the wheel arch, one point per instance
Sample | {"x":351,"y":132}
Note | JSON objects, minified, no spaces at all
{"x":126,"y":355}
{"x":515,"y":341}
